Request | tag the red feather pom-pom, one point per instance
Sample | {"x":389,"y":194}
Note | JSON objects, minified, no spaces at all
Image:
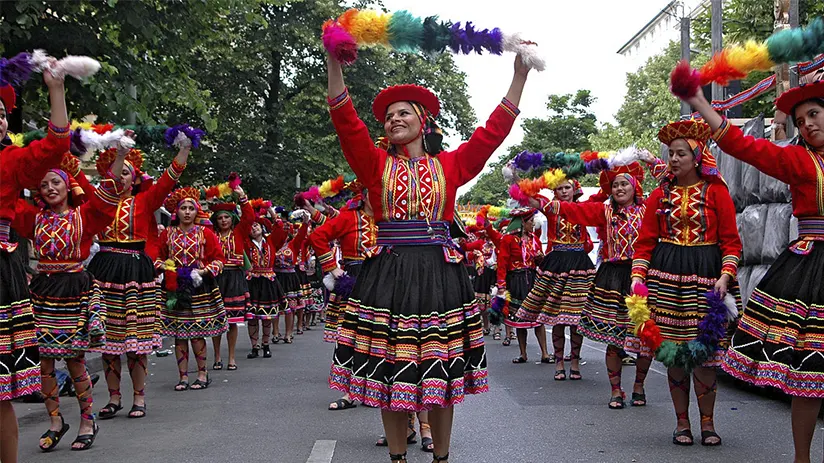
{"x":650,"y":335}
{"x":339,"y":43}
{"x":587,"y":156}
{"x":300,"y":201}
{"x":337,"y":185}
{"x":102,"y":128}
{"x":480,"y":220}
{"x":719,"y":70}
{"x":171,"y":280}
{"x":234,"y":180}
{"x":684,"y":81}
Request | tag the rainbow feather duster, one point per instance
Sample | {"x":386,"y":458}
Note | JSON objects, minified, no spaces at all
{"x":737,"y":61}
{"x":402,"y":31}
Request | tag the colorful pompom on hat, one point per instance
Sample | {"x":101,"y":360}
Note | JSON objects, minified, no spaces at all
{"x":407,"y":92}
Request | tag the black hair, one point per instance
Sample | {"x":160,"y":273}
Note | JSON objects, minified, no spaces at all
{"x":817,"y":100}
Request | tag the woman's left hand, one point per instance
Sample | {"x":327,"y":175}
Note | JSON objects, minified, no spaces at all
{"x":721,"y":285}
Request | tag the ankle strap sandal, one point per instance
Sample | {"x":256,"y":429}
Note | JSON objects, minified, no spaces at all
{"x":436,"y":458}
{"x":397,"y":457}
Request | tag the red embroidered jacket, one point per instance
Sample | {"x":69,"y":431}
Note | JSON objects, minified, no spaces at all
{"x":234,"y":242}
{"x":694,"y":215}
{"x":24,"y":168}
{"x":559,"y":230}
{"x":621,"y":229}
{"x":416,"y":189}
{"x":287,"y":255}
{"x":262,"y":257}
{"x":63,"y":241}
{"x":198,"y":247}
{"x":319,"y":218}
{"x":356,"y":232}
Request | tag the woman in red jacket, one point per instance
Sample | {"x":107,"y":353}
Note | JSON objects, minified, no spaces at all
{"x":518,"y":255}
{"x":126,"y":276}
{"x":688,"y":246}
{"x":65,"y":297}
{"x":190,"y":304}
{"x":564,"y":280}
{"x":605,"y":317}
{"x":232,"y":231}
{"x":21,"y":168}
{"x":413,"y":300}
{"x":290,"y":241}
{"x":266,"y":297}
{"x":778,"y":340}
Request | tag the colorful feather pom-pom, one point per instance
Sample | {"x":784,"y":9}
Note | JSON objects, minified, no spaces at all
{"x":193,"y":134}
{"x":684,"y":81}
{"x":234,"y":180}
{"x":344,"y":285}
{"x":300,"y":200}
{"x":313,"y":194}
{"x":650,"y":335}
{"x":667,"y":353}
{"x":518,"y":195}
{"x":339,"y":43}
{"x":15,"y":70}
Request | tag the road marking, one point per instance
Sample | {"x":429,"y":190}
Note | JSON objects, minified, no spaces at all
{"x":603,"y":351}
{"x":322,"y":451}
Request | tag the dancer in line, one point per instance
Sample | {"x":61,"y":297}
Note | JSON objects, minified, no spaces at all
{"x":232,"y":231}
{"x":290,"y":240}
{"x":688,"y":246}
{"x":22,"y":168}
{"x":413,"y":300}
{"x":777,"y":340}
{"x":126,"y":276}
{"x":191,"y":308}
{"x":65,"y":298}
{"x":564,"y":281}
{"x":266,"y":297}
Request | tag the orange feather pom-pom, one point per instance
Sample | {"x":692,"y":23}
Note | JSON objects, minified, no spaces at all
{"x":718,"y":69}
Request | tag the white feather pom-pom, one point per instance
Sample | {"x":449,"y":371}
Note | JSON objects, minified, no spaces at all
{"x":329,"y":282}
{"x":732,"y":307}
{"x":99,"y":142}
{"x":182,"y":141}
{"x":494,"y":291}
{"x":197,"y":280}
{"x":78,"y":67}
{"x":624,"y":157}
{"x":509,"y":173}
{"x":526,"y":49}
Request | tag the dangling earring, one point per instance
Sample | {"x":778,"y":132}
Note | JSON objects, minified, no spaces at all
{"x":696,"y":164}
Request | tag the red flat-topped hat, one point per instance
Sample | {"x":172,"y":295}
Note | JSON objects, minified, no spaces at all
{"x":792,"y":97}
{"x":523,"y":212}
{"x":689,"y":129}
{"x":8,"y":97}
{"x":407,"y":92}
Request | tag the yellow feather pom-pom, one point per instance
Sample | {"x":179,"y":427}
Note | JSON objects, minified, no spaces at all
{"x":752,"y":56}
{"x":638,"y":310}
{"x":170,"y":265}
{"x":224,"y":190}
{"x":16,"y":139}
{"x":605,"y":154}
{"x":553,"y":178}
{"x":369,"y":27}
{"x":325,"y":189}
{"x":495,"y":211}
{"x":83,"y":125}
{"x":470,"y":222}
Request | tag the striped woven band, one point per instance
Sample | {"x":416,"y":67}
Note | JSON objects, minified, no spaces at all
{"x":414,"y":233}
{"x":568,"y":247}
{"x":811,"y":228}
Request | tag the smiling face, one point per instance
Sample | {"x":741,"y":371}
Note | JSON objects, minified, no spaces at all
{"x":809,"y":118}
{"x":53,"y":190}
{"x":682,"y":159}
{"x":257,"y":231}
{"x":623,"y":191}
{"x":4,"y":123}
{"x":564,"y":192}
{"x":402,"y":124}
{"x":186,"y":213}
{"x":224,"y":222}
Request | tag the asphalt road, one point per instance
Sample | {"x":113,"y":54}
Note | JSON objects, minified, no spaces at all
{"x":274,"y":410}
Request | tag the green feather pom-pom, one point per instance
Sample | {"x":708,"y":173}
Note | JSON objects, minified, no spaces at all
{"x":405,"y":31}
{"x":436,"y":35}
{"x":666,"y":353}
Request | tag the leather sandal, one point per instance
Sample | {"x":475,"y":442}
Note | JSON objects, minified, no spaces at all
{"x":54,"y":436}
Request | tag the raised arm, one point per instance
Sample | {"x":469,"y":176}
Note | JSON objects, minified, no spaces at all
{"x":588,"y":214}
{"x":297,"y":244}
{"x":155,"y":195}
{"x":25,"y":215}
{"x":504,"y":258}
{"x":320,"y":238}
{"x":247,"y":216}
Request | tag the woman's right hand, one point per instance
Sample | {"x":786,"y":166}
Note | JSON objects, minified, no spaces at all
{"x":52,"y":81}
{"x":337,"y":272}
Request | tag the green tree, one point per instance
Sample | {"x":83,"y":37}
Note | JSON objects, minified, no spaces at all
{"x":567,"y":128}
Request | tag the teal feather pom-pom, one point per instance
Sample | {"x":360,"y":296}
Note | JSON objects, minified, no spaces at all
{"x":436,"y":35}
{"x":666,"y":353}
{"x":405,"y":31}
{"x":798,"y":44}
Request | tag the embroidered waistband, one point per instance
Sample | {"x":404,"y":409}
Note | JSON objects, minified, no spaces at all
{"x":116,"y":250}
{"x":59,"y":267}
{"x":689,"y":243}
{"x":811,"y":228}
{"x":568,"y":246}
{"x":414,"y":233}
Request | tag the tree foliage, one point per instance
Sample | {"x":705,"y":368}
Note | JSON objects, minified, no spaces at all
{"x":567,"y":128}
{"x":251,"y":72}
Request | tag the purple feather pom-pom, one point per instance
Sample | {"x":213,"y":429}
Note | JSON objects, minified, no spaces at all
{"x":596,"y":165}
{"x":526,"y":161}
{"x":184,"y":279}
{"x":344,"y":285}
{"x":494,"y":41}
{"x":194,"y":134}
{"x":15,"y":71}
{"x":77,"y":147}
{"x":459,"y":42}
{"x":498,"y":304}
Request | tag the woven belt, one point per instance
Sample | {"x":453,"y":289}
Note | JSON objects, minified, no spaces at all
{"x":414,"y":233}
{"x":132,"y":252}
{"x":568,"y":247}
{"x":810,"y":230}
{"x":59,"y":267}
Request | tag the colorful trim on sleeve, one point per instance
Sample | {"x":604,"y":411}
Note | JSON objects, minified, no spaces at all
{"x":215,"y":268}
{"x":327,"y":262}
{"x":243,"y":200}
{"x":729,"y":265}
{"x":510,"y":108}
{"x":339,"y":101}
{"x":639,"y":268}
{"x":317,"y":217}
{"x":59,"y":132}
{"x":175,"y":170}
{"x":722,"y":130}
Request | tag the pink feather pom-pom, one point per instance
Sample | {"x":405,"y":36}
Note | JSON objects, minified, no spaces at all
{"x":684,"y":81}
{"x":313,"y":194}
{"x":234,"y":180}
{"x":518,"y":195}
{"x":641,"y":290}
{"x":480,"y":221}
{"x":340,"y":43}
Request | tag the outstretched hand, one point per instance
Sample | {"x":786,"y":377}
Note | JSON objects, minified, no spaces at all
{"x":521,"y":69}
